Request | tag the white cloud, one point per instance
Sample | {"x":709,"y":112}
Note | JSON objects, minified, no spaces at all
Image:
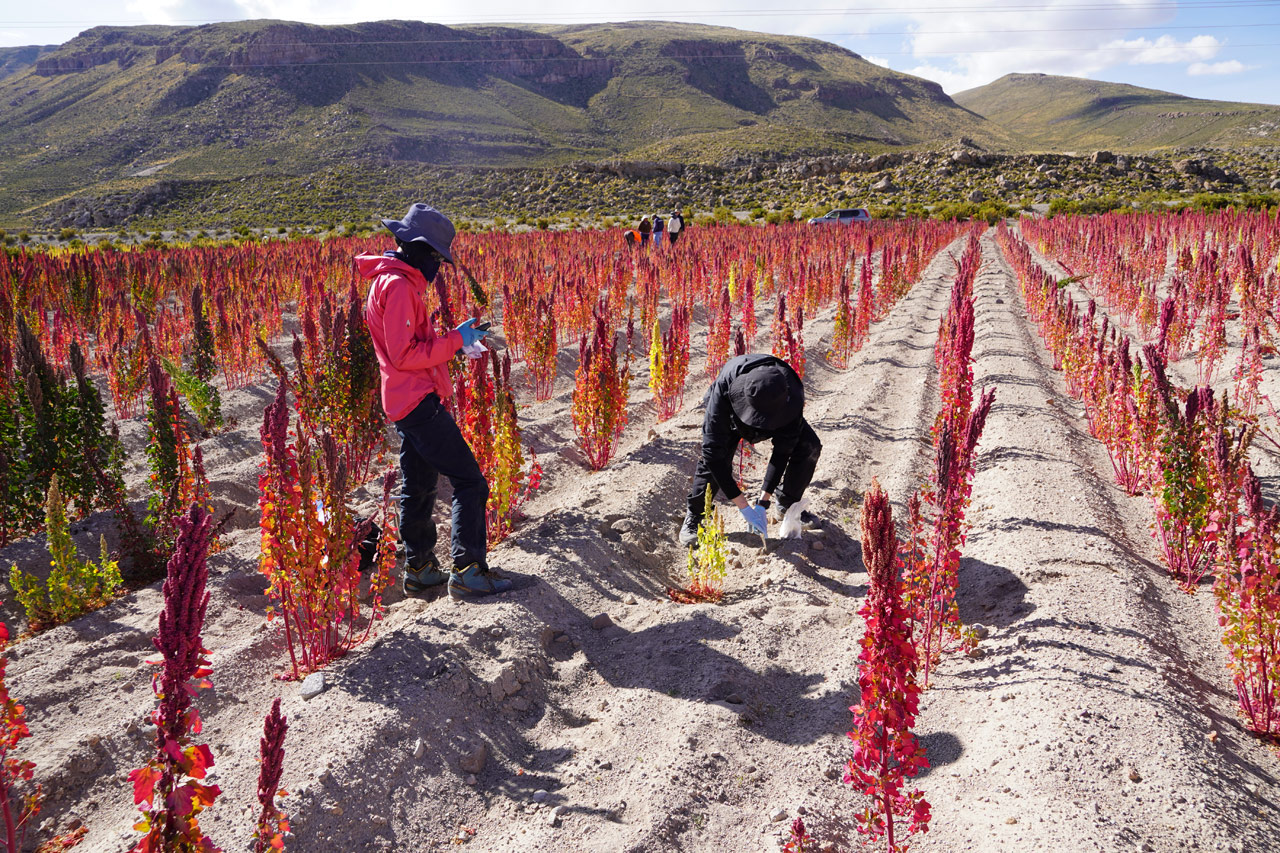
{"x":1230,"y":66}
{"x":1164,"y":50}
{"x":876,"y":60}
{"x":970,"y":43}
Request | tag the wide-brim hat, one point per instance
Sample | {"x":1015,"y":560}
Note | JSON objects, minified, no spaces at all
{"x":424,"y":224}
{"x":768,"y":397}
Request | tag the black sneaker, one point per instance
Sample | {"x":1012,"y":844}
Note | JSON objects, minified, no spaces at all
{"x":689,"y":531}
{"x":424,"y":579}
{"x":475,"y":580}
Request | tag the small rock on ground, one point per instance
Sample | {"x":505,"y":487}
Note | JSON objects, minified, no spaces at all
{"x":312,"y":686}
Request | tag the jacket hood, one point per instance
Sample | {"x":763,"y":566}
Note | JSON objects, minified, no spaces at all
{"x":767,"y":395}
{"x":372,"y":266}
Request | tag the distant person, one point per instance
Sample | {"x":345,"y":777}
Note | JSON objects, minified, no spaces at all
{"x":674,"y":226}
{"x":755,"y":397}
{"x":631,"y":236}
{"x":658,"y":224}
{"x":645,"y":228}
{"x":414,"y":362}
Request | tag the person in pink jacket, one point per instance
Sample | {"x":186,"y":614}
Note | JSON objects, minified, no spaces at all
{"x":414,"y":362}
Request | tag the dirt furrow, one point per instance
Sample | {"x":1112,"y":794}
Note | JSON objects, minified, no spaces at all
{"x":1100,"y":716}
{"x":675,"y":726}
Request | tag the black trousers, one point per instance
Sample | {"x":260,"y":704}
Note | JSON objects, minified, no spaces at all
{"x":796,"y":476}
{"x":430,"y":445}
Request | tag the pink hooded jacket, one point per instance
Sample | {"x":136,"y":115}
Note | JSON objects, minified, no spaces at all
{"x":411,"y":356}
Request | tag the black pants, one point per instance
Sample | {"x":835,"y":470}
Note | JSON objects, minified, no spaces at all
{"x":430,"y":445}
{"x":795,"y":476}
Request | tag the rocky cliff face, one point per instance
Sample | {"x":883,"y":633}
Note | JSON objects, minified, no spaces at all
{"x":518,"y":53}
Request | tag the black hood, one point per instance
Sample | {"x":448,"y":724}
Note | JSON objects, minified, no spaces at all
{"x":767,"y":394}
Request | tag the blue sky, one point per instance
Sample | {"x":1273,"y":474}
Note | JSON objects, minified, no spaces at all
{"x":1205,"y":48}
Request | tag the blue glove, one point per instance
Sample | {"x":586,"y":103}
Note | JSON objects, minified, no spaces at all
{"x":755,"y":518}
{"x":470,"y":334}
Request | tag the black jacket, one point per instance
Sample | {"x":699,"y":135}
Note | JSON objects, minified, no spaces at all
{"x":723,"y":427}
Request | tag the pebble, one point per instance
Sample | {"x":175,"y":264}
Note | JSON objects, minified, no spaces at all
{"x":540,"y":796}
{"x":778,"y":816}
{"x":980,"y":631}
{"x":601,"y":622}
{"x":1134,"y":775}
{"x":556,"y":814}
{"x":817,"y":546}
{"x":419,"y":748}
{"x":312,"y":686}
{"x":335,"y":810}
{"x":473,"y":761}
{"x":630,"y":599}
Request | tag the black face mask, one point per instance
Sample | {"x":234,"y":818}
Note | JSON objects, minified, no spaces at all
{"x":421,"y":257}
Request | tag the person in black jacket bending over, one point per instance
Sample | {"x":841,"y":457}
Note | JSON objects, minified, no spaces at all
{"x":755,"y":397}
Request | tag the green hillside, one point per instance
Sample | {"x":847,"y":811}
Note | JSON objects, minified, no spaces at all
{"x":1057,"y":113}
{"x":118,"y":110}
{"x":14,"y":60}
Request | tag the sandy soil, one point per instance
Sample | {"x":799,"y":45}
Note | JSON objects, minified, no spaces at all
{"x":1100,"y":715}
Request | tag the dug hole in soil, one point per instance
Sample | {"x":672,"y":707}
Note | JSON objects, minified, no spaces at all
{"x":586,"y":711}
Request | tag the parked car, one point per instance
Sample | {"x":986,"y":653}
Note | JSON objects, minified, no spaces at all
{"x":842,"y":216}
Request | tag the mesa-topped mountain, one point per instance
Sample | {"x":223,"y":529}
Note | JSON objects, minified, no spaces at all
{"x":223,"y":101}
{"x":1057,"y":113}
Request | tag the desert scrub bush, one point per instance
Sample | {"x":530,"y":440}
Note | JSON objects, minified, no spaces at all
{"x":74,"y":586}
{"x":993,"y":211}
{"x":708,"y":563}
{"x":1085,"y":207}
{"x":955,"y":211}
